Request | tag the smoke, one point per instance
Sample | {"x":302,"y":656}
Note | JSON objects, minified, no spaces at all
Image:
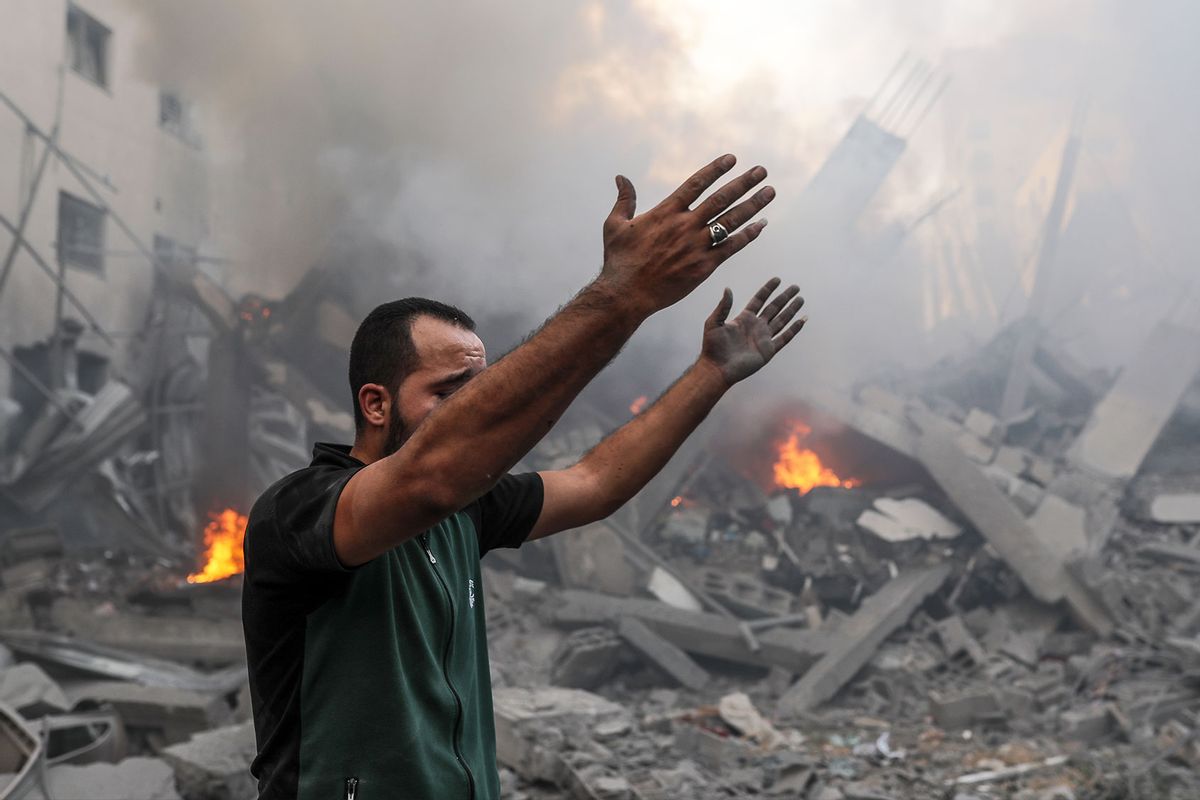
{"x":479,"y":141}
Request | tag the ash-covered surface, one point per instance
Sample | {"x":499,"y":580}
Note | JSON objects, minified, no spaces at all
{"x":885,"y":595}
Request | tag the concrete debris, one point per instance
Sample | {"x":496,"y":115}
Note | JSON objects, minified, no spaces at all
{"x":909,"y":518}
{"x":964,"y":603}
{"x":1126,"y":423}
{"x":215,"y":764}
{"x":671,"y":659}
{"x":1173,"y":508}
{"x":856,"y":641}
{"x":137,"y":777}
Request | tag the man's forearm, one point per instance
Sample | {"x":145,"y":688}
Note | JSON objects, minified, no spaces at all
{"x":627,"y":459}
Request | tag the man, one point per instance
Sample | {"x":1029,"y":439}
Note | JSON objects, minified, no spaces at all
{"x":362,"y":606}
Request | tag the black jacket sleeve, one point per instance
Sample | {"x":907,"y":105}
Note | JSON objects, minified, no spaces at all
{"x":290,"y":532}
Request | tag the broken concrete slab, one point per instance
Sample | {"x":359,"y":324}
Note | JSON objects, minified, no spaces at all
{"x":173,"y":714}
{"x":669,"y":658}
{"x":139,"y":777}
{"x":1126,"y":422}
{"x":216,"y":764}
{"x":594,"y":559}
{"x":1176,"y":508}
{"x":27,"y":688}
{"x":184,"y":638}
{"x":699,"y":633}
{"x":1002,"y":524}
{"x":1061,"y":527}
{"x":114,"y":663}
{"x":910,"y":518}
{"x":859,"y":637}
{"x":523,"y":717}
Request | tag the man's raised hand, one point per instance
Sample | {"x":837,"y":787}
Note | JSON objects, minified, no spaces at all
{"x":741,"y":346}
{"x":657,"y":258}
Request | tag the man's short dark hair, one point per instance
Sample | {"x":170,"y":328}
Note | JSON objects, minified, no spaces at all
{"x":383,"y":351}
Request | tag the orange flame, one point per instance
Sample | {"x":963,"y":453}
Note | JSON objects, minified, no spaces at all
{"x":223,"y":547}
{"x":801,"y":468}
{"x":676,"y":502}
{"x":636,"y":406}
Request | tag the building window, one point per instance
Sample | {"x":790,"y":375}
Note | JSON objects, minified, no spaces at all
{"x":87,"y":46}
{"x":80,"y":233}
{"x":175,"y":117}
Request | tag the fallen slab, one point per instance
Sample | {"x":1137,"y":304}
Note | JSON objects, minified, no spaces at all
{"x":1127,"y":421}
{"x":173,"y":714}
{"x":697,"y":632}
{"x":859,"y":637}
{"x":1000,"y":522}
{"x":523,"y":717}
{"x":671,"y":659}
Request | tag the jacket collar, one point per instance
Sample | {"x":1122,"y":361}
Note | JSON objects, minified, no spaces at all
{"x":328,"y":454}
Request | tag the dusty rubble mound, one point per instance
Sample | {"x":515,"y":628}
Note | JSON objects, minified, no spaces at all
{"x":893,"y":594}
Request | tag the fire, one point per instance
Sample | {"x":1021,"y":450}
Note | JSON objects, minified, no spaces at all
{"x":801,"y":468}
{"x":636,"y":406}
{"x":676,"y":502}
{"x":223,"y":547}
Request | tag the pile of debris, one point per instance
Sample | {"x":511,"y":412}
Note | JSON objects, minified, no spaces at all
{"x":923,"y":599}
{"x":894,"y":594}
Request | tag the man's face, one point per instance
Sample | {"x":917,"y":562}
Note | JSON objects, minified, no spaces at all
{"x":448,"y":356}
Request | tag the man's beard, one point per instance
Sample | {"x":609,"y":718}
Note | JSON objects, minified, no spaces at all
{"x":396,"y":431}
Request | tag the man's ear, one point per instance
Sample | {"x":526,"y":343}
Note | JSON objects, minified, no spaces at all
{"x":374,"y":400}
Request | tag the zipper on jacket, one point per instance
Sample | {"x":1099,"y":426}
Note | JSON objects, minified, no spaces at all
{"x":351,"y":788}
{"x":458,"y":719}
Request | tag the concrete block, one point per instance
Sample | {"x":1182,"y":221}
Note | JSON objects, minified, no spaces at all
{"x":745,"y":595}
{"x":671,"y":659}
{"x":216,"y":764}
{"x":1175,"y":508}
{"x":586,"y":658}
{"x":957,"y":710}
{"x":710,"y":749}
{"x":1088,"y":724}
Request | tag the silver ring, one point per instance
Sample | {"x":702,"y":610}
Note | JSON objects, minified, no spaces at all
{"x":718,"y":232}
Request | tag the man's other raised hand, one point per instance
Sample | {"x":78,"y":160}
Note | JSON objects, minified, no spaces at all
{"x":655,"y":259}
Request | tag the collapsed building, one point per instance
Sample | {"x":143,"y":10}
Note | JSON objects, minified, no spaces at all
{"x":968,"y":581}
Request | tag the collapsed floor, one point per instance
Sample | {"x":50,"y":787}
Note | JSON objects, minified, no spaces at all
{"x":893,"y":595}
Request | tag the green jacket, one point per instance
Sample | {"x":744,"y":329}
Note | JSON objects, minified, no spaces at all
{"x":372,"y":682}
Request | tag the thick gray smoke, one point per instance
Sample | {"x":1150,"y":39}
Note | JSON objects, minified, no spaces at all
{"x":480,"y":140}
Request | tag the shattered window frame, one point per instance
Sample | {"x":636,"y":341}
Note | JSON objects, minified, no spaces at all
{"x":80,"y":239}
{"x":175,"y":117}
{"x":87,"y":45}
